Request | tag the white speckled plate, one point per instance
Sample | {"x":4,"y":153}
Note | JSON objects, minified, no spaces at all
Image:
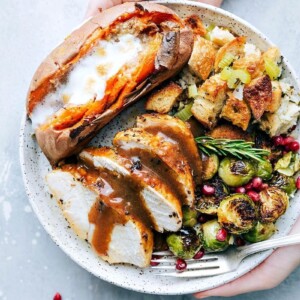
{"x":35,"y":166}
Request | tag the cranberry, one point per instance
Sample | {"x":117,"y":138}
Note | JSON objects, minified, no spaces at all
{"x":257,"y":182}
{"x":248,"y":186}
{"x":208,"y":190}
{"x":221,"y":235}
{"x":154,"y":263}
{"x":240,"y":190}
{"x":294,"y":146}
{"x":278,"y":140}
{"x":284,"y":152}
{"x":202,"y":219}
{"x":57,"y":296}
{"x":239,"y":241}
{"x":264,"y":186}
{"x":253,"y":195}
{"x":180,"y":264}
{"x":287,"y":140}
{"x":298,"y":183}
{"x":199,"y":254}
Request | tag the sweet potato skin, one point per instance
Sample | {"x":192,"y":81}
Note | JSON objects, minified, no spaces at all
{"x":58,"y":144}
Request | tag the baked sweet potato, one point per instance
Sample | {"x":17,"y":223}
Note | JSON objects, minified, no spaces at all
{"x":107,"y":64}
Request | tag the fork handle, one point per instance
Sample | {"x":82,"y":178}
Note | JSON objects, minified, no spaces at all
{"x":266,"y":245}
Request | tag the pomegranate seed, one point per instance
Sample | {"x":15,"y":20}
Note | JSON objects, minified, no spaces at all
{"x":264,"y":186}
{"x":288,"y":140}
{"x":248,"y":186}
{"x":57,"y":296}
{"x":180,"y":264}
{"x":256,"y":183}
{"x":199,"y":254}
{"x":154,"y":263}
{"x":240,"y":190}
{"x":202,"y":219}
{"x":253,"y":195}
{"x":278,"y":140}
{"x":298,"y":183}
{"x":208,"y":190}
{"x":221,"y":235}
{"x":239,"y":241}
{"x":294,"y":146}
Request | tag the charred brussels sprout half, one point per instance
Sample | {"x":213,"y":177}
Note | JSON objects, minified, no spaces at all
{"x":209,"y":232}
{"x":208,"y":205}
{"x":189,"y":216}
{"x":284,"y":182}
{"x":210,"y":165}
{"x":237,"y":213}
{"x":264,"y":170}
{"x":273,"y":204}
{"x":236,"y":172}
{"x":260,"y":232}
{"x":185,"y":243}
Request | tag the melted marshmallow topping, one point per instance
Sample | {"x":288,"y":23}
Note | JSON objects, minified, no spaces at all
{"x":87,"y":80}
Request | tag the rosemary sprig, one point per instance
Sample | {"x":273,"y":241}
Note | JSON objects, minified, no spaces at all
{"x":225,"y":147}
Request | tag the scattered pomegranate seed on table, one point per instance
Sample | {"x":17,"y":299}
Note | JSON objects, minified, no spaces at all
{"x":180,"y":264}
{"x":253,"y":195}
{"x":199,"y":254}
{"x":154,"y":263}
{"x":221,"y":235}
{"x":240,"y":190}
{"x":298,"y":183}
{"x":208,"y":190}
{"x":57,"y":296}
{"x":256,"y":183}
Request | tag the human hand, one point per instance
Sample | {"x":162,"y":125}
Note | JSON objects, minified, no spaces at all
{"x":267,"y":275}
{"x":97,"y":5}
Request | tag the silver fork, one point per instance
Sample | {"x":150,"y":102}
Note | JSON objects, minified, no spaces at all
{"x":216,"y":264}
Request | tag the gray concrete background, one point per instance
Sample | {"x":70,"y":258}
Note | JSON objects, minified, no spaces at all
{"x":31,"y":265}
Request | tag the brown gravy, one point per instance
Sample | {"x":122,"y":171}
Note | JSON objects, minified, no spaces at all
{"x":120,"y":197}
{"x":186,"y":145}
{"x":104,"y":218}
{"x":160,"y":169}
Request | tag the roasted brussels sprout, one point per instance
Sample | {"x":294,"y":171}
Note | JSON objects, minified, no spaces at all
{"x":273,"y":204}
{"x":236,"y":172}
{"x":189,"y":216}
{"x":210,"y":165}
{"x":286,"y":183}
{"x":185,"y":243}
{"x":260,"y":232}
{"x":264,"y":170}
{"x":289,"y":164}
{"x":209,"y":204}
{"x":237,"y":213}
{"x":209,"y":231}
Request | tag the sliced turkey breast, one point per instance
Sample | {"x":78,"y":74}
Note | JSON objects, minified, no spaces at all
{"x":177,"y":132}
{"x":159,"y":199}
{"x":163,"y":157}
{"x":115,"y":237}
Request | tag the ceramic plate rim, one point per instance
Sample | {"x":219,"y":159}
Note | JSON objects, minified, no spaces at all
{"x":66,"y":250}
